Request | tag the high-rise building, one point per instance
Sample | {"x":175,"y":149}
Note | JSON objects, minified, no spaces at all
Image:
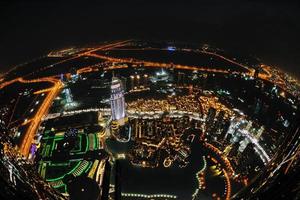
{"x":68,"y":95}
{"x":117,"y":101}
{"x":119,"y":126}
{"x":69,"y":102}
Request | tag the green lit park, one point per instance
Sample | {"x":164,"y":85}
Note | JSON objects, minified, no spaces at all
{"x":61,"y":157}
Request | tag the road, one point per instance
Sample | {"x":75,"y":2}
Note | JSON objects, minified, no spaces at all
{"x":43,"y":109}
{"x":52,"y":92}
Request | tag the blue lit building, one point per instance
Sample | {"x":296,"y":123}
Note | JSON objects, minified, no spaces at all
{"x":69,"y":98}
{"x":119,"y":126}
{"x":117,"y":101}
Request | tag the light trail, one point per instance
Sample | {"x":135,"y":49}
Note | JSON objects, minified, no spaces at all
{"x":103,"y":47}
{"x":26,"y":122}
{"x":42,"y":91}
{"x":149,"y":196}
{"x":4,"y":84}
{"x":267,"y":76}
{"x":249,"y":69}
{"x":35,"y":121}
{"x":222,"y":157}
{"x":106,"y":47}
{"x":228,"y":185}
{"x":86,"y":70}
{"x":157,"y":64}
{"x":292,"y":160}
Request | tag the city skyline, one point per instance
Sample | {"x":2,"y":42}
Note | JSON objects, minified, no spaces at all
{"x":149,"y":100}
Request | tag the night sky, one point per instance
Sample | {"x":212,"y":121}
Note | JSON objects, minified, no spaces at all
{"x":268,"y":30}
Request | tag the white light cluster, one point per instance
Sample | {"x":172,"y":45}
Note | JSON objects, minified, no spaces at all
{"x":149,"y":196}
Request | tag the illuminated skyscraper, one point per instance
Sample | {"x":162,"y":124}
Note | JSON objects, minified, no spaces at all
{"x":69,"y":102}
{"x":117,"y":101}
{"x":69,"y":97}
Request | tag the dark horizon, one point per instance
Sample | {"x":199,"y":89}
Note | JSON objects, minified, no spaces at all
{"x":157,"y":100}
{"x":267,"y":30}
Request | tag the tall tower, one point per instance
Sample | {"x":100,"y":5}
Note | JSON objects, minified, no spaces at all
{"x":69,"y":97}
{"x":69,"y":102}
{"x":119,"y":126}
{"x":117,"y":101}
